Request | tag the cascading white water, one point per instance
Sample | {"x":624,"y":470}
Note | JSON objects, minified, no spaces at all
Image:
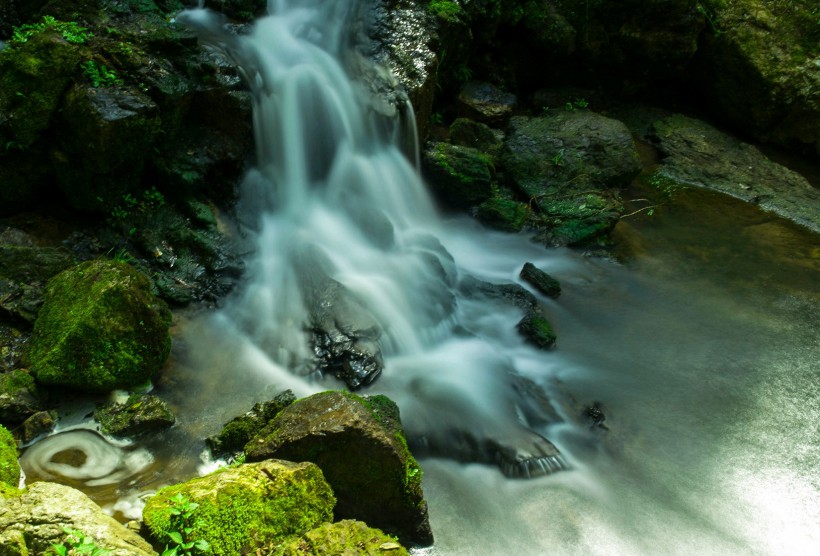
{"x":711,"y":449}
{"x":332,"y":196}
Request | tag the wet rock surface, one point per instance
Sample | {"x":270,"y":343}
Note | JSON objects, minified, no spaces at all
{"x":697,"y":154}
{"x":34,"y":519}
{"x":240,"y":430}
{"x":138,"y":414}
{"x":540,"y":280}
{"x":345,"y":537}
{"x":359,"y":445}
{"x":486,"y":103}
{"x":19,"y":396}
{"x":458,"y":175}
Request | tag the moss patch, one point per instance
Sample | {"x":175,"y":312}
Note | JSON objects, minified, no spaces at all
{"x":100,"y":328}
{"x":344,"y":538}
{"x":247,"y":507}
{"x":9,"y":468}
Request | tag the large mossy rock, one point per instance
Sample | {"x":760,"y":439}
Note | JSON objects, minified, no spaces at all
{"x":459,"y":176}
{"x":359,"y":444}
{"x":760,"y":69}
{"x":568,"y":165}
{"x":9,"y":468}
{"x":240,"y":430}
{"x":697,"y":154}
{"x":247,"y":507}
{"x":344,"y":538}
{"x":34,"y":519}
{"x":100,"y":328}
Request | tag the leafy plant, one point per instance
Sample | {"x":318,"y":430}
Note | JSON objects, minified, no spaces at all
{"x":69,"y":30}
{"x":558,"y":158}
{"x":77,"y":542}
{"x":99,"y":75}
{"x":182,"y":525}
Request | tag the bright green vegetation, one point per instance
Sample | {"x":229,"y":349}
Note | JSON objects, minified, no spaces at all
{"x":243,"y":508}
{"x":181,"y":539}
{"x":9,"y":468}
{"x":99,"y":75}
{"x":446,"y":10}
{"x":99,"y":328}
{"x":69,"y":30}
{"x":77,"y":542}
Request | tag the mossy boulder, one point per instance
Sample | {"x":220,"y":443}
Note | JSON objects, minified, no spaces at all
{"x":537,"y":331}
{"x":359,"y":444}
{"x":9,"y":468}
{"x":139,"y":414}
{"x":247,"y":507}
{"x":34,"y":519}
{"x":460,"y":176}
{"x":19,"y":396}
{"x":759,"y":68}
{"x":343,"y":538}
{"x":540,"y":280}
{"x":100,"y":328}
{"x":506,"y":215}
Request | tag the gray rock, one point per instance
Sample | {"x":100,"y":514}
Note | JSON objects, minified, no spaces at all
{"x":697,"y":154}
{"x":486,"y":102}
{"x":140,"y":414}
{"x":31,"y":522}
{"x":42,"y":422}
{"x":359,"y":445}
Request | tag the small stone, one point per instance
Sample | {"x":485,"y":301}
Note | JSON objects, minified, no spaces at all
{"x":38,"y":424}
{"x":540,"y":280}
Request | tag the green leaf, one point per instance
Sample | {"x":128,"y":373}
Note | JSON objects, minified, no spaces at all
{"x":169,"y":551}
{"x":202,"y":545}
{"x":176,"y":537}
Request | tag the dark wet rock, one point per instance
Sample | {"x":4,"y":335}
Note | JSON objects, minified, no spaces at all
{"x":533,"y":326}
{"x":35,"y":519}
{"x":105,"y":137}
{"x":594,"y":415}
{"x":245,"y":508}
{"x":242,"y":10}
{"x":9,"y":468}
{"x":24,"y":270}
{"x":476,"y":135}
{"x":99,"y":328}
{"x":540,"y":280}
{"x":240,"y":430}
{"x":39,"y":424}
{"x":486,"y":103}
{"x":344,"y":335}
{"x":139,"y":414}
{"x":696,"y":154}
{"x":506,"y":215}
{"x":537,"y":330}
{"x":401,"y":36}
{"x":359,"y":445}
{"x":460,"y":176}
{"x":19,"y":396}
{"x":346,"y":537}
{"x":760,"y":70}
{"x":569,"y":165}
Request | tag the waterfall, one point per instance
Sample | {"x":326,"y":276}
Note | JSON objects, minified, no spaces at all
{"x":347,"y":262}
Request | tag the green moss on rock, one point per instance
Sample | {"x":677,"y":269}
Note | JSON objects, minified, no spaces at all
{"x":503,"y":214}
{"x":537,"y":330}
{"x":344,"y":538}
{"x":100,"y":328}
{"x":9,"y":468}
{"x":247,"y":507}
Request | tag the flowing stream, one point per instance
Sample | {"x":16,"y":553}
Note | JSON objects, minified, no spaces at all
{"x":702,"y":349}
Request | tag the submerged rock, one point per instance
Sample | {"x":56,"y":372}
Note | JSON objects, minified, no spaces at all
{"x":343,"y":538}
{"x":245,"y":508}
{"x":34,"y":519}
{"x":695,"y":153}
{"x":359,"y":444}
{"x":99,"y":329}
{"x":139,"y":414}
